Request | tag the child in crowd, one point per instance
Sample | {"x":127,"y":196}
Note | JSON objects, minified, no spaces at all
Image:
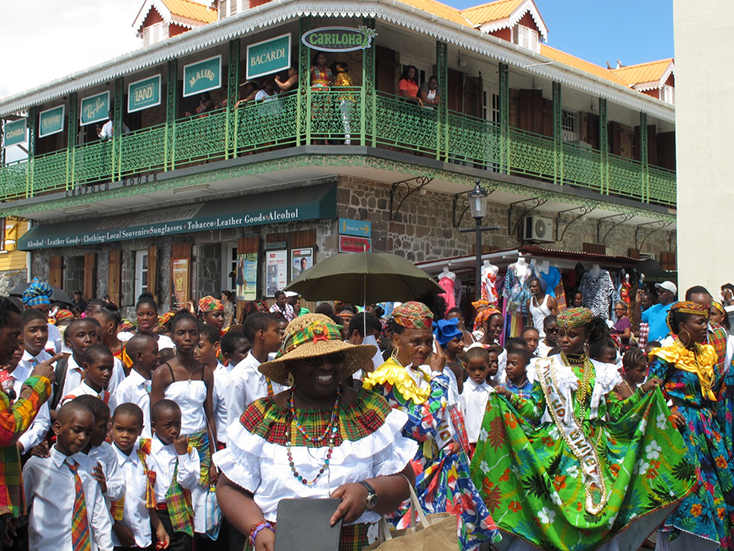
{"x":98,"y":363}
{"x":246,"y":383}
{"x":135,"y":388}
{"x":100,"y":453}
{"x":235,"y":346}
{"x":604,"y":351}
{"x":34,"y":334}
{"x":177,"y":470}
{"x":79,"y":335}
{"x":532,"y":338}
{"x":494,"y":352}
{"x":67,"y":509}
{"x":476,"y":390}
{"x":516,"y":370}
{"x":634,"y":373}
{"x":134,"y":515}
{"x":550,"y":341}
{"x":207,"y":353}
{"x":652,"y":345}
{"x":451,"y":339}
{"x":165,"y":355}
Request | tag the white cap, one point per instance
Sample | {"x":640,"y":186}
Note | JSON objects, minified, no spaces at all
{"x":668,"y":286}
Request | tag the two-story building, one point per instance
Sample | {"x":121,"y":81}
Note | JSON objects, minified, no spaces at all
{"x":192,"y":181}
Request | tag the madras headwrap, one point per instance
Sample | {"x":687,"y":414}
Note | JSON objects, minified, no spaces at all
{"x":165,"y":318}
{"x":117,"y":507}
{"x":685,"y":307}
{"x":574,"y":318}
{"x":178,"y":504}
{"x":483,"y":312}
{"x":413,"y":315}
{"x":210,"y":304}
{"x":126,"y":325}
{"x":38,"y":292}
{"x":63,"y":314}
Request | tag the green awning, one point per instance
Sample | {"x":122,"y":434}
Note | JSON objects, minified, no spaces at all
{"x":286,"y":205}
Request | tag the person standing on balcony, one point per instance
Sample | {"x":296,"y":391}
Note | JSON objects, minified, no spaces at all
{"x":290,"y":83}
{"x":108,"y":130}
{"x":321,"y":79}
{"x":408,"y":85}
{"x":429,"y":93}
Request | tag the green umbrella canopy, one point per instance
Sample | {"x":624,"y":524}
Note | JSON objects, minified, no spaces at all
{"x":364,"y":278}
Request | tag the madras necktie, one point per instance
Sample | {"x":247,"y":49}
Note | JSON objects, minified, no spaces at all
{"x":80,"y":540}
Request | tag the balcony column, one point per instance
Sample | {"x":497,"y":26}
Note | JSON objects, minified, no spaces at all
{"x":230,"y":139}
{"x":368,"y":119}
{"x":303,"y":105}
{"x":603,"y":146}
{"x":117,"y":141}
{"x":504,"y":118}
{"x":557,"y":134}
{"x":72,"y":130}
{"x":32,"y":114}
{"x":171,"y":108}
{"x":2,"y":142}
{"x":442,"y":126}
{"x":645,"y":191}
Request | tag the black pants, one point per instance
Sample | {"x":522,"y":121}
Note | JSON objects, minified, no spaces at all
{"x":149,"y":548}
{"x":180,"y":541}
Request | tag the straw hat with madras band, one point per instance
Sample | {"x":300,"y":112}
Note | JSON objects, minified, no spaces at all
{"x":311,"y":336}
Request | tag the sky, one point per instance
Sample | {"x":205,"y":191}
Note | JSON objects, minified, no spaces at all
{"x":65,"y":37}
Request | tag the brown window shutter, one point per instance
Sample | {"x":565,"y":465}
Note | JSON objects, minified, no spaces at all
{"x":385,"y":69}
{"x":473,"y":96}
{"x":455,"y":90}
{"x":113,"y":287}
{"x":153,"y":270}
{"x":55,"y":270}
{"x":594,"y":248}
{"x":248,"y":245}
{"x":90,"y":275}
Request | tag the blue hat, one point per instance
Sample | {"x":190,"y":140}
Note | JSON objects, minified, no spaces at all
{"x":446,"y":330}
{"x":38,"y":292}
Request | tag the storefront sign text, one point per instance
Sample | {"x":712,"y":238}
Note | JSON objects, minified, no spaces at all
{"x":269,"y":56}
{"x":95,"y":108}
{"x":339,"y":39}
{"x":144,"y":94}
{"x":14,"y":132}
{"x":51,"y":121}
{"x":202,"y":76}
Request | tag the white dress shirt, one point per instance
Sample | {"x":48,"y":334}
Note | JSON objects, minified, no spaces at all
{"x":55,"y":342}
{"x":105,"y":456}
{"x":135,"y":514}
{"x":163,"y":340}
{"x":42,"y":423}
{"x":50,"y":493}
{"x":246,"y":384}
{"x":136,"y":389}
{"x":221,"y":379}
{"x":84,"y":389}
{"x":163,"y":459}
{"x":74,"y":376}
{"x":108,"y":130}
{"x":473,"y":404}
{"x":118,"y":375}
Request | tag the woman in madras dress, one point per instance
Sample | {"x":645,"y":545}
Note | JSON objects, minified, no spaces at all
{"x":415,"y":381}
{"x":704,"y":519}
{"x":593,"y":467}
{"x":320,"y":438}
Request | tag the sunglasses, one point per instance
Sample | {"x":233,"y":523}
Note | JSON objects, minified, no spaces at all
{"x":553,"y":330}
{"x":333,"y":359}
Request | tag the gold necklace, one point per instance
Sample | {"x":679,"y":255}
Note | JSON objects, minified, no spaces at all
{"x":583,"y":391}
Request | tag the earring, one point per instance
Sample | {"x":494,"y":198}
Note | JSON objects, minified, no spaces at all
{"x":110,"y":331}
{"x":688,"y":338}
{"x":290,"y":381}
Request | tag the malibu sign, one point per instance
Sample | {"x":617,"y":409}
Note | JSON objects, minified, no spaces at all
{"x":339,"y":39}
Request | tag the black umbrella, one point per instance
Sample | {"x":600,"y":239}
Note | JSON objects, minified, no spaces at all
{"x":57,"y":295}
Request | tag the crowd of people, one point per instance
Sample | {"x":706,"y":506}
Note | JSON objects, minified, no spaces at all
{"x":577,"y":434}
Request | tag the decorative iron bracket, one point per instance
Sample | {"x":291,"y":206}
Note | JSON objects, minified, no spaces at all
{"x":457,"y":221}
{"x":535,"y":201}
{"x":622,"y":218}
{"x":420,"y":183}
{"x":657,"y":225}
{"x":577,"y":213}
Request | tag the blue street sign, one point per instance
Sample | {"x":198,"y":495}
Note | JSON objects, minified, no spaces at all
{"x":360,"y":228}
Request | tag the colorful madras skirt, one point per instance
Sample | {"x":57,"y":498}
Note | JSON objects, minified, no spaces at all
{"x":200,"y":440}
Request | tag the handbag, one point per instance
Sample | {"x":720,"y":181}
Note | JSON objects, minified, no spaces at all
{"x":213,"y":513}
{"x":434,"y":531}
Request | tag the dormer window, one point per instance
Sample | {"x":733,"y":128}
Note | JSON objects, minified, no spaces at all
{"x":526,"y":37}
{"x":667,"y":94}
{"x":155,"y":33}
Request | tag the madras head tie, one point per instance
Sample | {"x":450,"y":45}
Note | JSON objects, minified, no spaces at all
{"x":413,"y":315}
{"x":573,"y":318}
{"x":210,"y":304}
{"x":38,"y":292}
{"x":80,"y":540}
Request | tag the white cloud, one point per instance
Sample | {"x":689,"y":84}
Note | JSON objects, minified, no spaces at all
{"x":44,"y":40}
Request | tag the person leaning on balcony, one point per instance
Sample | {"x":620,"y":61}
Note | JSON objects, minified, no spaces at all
{"x":290,"y":83}
{"x":249,"y":92}
{"x":408,"y":85}
{"x":321,"y":75}
{"x":429,"y":93}
{"x":108,"y":130}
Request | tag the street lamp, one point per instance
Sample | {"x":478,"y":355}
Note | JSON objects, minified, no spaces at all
{"x":478,"y":205}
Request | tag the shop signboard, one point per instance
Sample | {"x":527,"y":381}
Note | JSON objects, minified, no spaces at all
{"x":339,"y":39}
{"x":180,"y":281}
{"x":276,"y":266}
{"x":269,"y":56}
{"x":301,"y":260}
{"x":15,"y":132}
{"x":143,"y":94}
{"x":51,"y":121}
{"x":202,"y":76}
{"x":94,"y":108}
{"x":360,"y":228}
{"x":350,"y":244}
{"x":246,"y":276}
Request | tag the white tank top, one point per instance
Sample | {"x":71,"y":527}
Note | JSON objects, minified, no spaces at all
{"x":539,"y":313}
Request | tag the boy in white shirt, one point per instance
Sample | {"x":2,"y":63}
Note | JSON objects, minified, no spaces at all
{"x":98,"y":362}
{"x":207,"y":353}
{"x":58,"y":486}
{"x":135,"y":388}
{"x":177,"y":469}
{"x":476,"y":392}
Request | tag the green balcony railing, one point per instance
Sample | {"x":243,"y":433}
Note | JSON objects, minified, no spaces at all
{"x":339,"y":116}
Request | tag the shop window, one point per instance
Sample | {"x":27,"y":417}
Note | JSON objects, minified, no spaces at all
{"x":141,"y":272}
{"x":229,"y":266}
{"x":570,"y":125}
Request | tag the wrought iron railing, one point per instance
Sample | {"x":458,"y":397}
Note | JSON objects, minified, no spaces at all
{"x":345,"y":116}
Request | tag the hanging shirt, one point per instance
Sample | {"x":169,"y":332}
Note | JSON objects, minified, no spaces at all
{"x":597,"y":292}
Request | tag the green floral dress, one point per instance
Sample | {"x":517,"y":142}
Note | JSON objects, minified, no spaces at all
{"x":588,"y":471}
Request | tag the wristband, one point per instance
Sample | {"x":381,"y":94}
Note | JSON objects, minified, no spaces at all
{"x":256,"y":530}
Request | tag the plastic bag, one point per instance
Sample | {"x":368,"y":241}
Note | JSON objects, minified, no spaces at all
{"x":213,"y":514}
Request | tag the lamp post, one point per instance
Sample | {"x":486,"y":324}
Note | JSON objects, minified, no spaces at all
{"x":478,"y":205}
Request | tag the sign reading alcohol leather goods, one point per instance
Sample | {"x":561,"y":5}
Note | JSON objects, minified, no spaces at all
{"x":51,"y":121}
{"x":339,"y":39}
{"x":94,"y":108}
{"x":143,"y":94}
{"x":14,"y":132}
{"x":202,"y":76}
{"x":269,"y":56}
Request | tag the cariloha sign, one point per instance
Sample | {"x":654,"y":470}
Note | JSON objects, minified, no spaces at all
{"x":339,"y":39}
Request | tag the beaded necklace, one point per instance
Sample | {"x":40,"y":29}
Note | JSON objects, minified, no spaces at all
{"x":586,"y":377}
{"x":330,"y":432}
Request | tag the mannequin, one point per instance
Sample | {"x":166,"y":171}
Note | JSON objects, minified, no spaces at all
{"x":595,"y":270}
{"x":597,"y":290}
{"x":489,"y":283}
{"x":446,"y":281}
{"x":517,"y":293}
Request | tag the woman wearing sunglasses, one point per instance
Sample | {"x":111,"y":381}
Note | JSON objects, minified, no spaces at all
{"x":318,"y":439}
